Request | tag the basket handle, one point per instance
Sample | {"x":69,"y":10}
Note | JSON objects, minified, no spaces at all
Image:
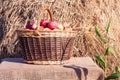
{"x":48,"y":10}
{"x":41,"y":12}
{"x":36,"y":32}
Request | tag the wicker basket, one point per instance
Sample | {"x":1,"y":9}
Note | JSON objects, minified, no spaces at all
{"x":46,"y":47}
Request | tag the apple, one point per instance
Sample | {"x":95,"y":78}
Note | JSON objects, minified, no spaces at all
{"x":46,"y":29}
{"x":52,"y":25}
{"x":67,"y":27}
{"x":41,"y":28}
{"x":60,"y":27}
{"x":56,"y":30}
{"x":44,"y":22}
{"x":29,"y":25}
{"x":34,"y":26}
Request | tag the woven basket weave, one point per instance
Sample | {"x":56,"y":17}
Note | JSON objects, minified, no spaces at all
{"x":46,"y":47}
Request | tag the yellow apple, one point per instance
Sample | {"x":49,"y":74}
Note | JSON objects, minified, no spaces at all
{"x":46,"y":29}
{"x":60,"y":26}
{"x":56,"y":30}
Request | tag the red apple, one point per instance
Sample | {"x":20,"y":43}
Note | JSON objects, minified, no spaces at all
{"x":52,"y":25}
{"x":41,"y":28}
{"x":44,"y":22}
{"x":29,"y":26}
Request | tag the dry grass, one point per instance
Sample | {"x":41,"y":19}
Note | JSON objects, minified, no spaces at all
{"x":87,"y":13}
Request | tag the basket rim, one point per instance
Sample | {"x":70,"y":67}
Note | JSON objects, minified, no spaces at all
{"x":28,"y":30}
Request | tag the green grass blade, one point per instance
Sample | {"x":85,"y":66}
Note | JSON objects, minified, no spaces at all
{"x":103,"y":40}
{"x":110,"y":49}
{"x":100,"y":60}
{"x":97,"y":32}
{"x":99,"y":35}
{"x":108,"y":26}
{"x":113,"y":76}
{"x":106,"y":52}
{"x":116,"y":69}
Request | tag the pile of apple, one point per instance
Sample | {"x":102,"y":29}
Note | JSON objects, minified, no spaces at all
{"x":46,"y":25}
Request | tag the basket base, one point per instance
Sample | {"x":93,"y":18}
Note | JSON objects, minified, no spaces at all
{"x":47,"y":62}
